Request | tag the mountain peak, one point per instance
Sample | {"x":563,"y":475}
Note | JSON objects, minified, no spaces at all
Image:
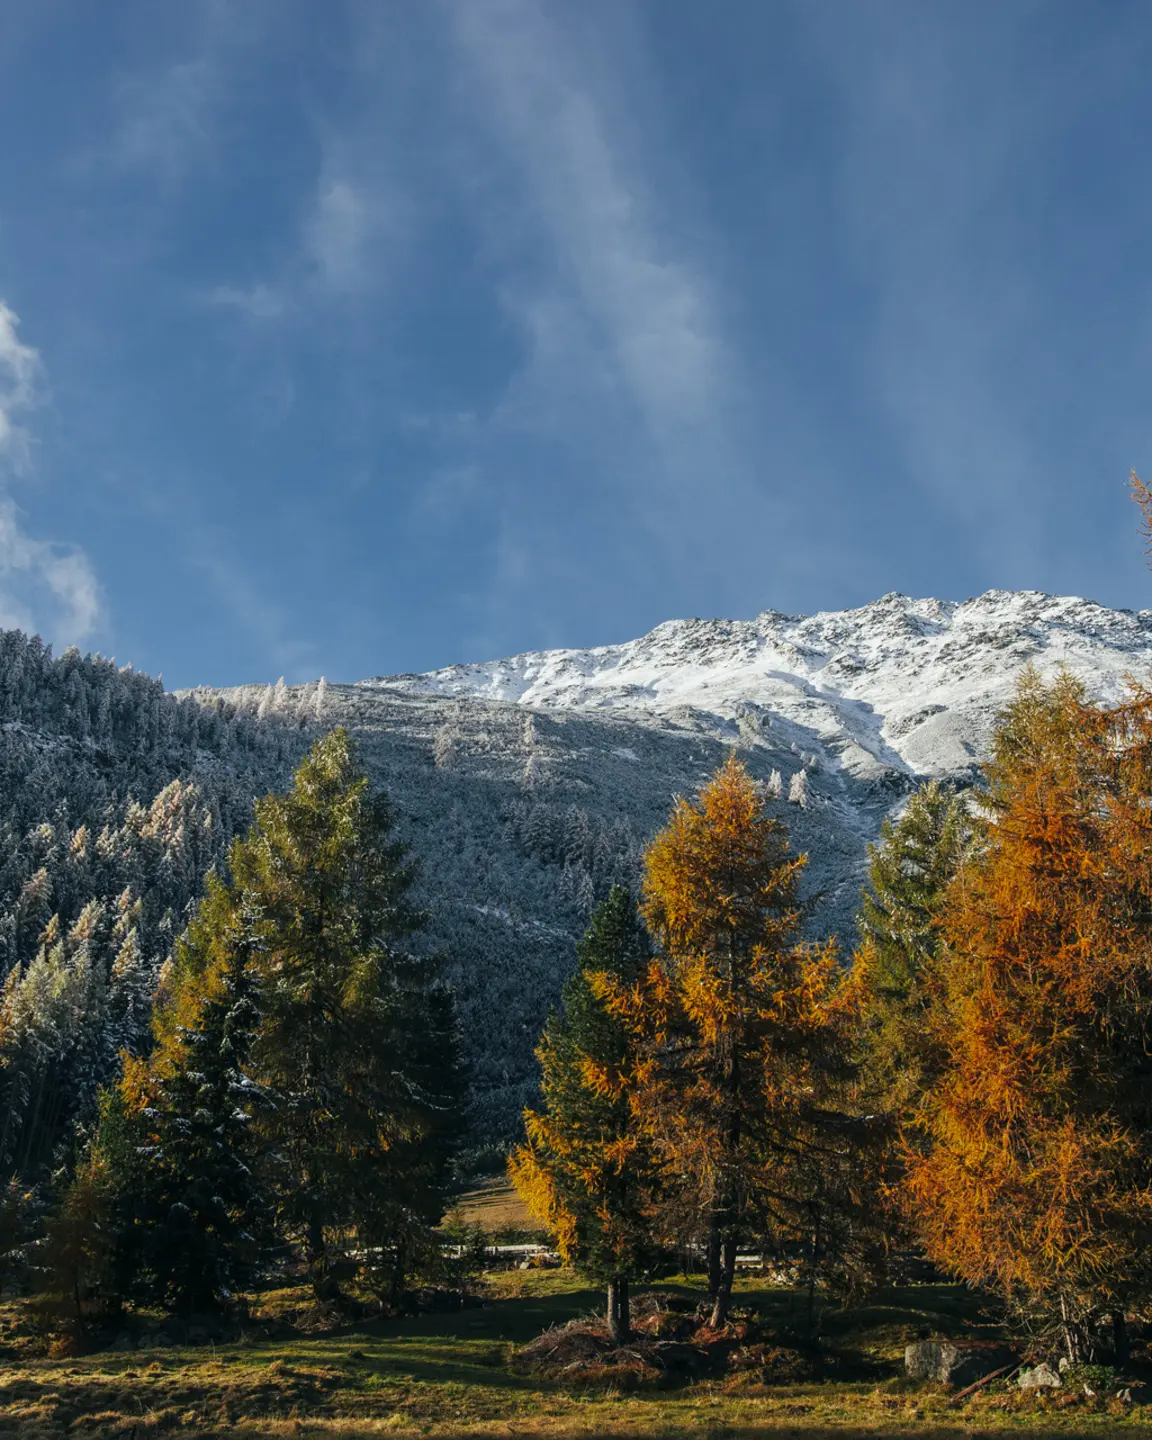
{"x":902,"y":682}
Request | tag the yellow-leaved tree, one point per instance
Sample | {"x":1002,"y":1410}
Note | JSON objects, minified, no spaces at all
{"x":1031,"y":1173}
{"x":743,"y":1032}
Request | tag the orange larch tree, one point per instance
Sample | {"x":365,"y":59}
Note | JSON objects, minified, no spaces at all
{"x":586,"y":1168}
{"x":1032,"y":1174}
{"x":742,"y":1028}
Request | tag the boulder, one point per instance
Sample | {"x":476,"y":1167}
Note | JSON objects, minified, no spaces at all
{"x":1040,"y":1377}
{"x":955,"y":1362}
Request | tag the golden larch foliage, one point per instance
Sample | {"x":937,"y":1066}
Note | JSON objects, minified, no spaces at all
{"x":1034,"y":1175}
{"x":742,"y":1028}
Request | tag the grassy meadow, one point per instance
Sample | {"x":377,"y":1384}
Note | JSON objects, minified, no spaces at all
{"x":452,"y":1374}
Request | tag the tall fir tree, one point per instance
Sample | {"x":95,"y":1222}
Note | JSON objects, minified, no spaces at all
{"x":909,"y":871}
{"x":205,"y":1205}
{"x":304,"y":1076}
{"x":341,"y":1043}
{"x":587,"y":1169}
{"x":356,"y":1048}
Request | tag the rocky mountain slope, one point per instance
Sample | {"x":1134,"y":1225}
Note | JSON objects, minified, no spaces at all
{"x":529,"y":785}
{"x":899,"y":687}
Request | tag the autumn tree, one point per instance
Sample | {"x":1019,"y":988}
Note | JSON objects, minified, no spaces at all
{"x":1033,"y":1170}
{"x":586,"y":1169}
{"x":909,"y":871}
{"x":742,"y":1027}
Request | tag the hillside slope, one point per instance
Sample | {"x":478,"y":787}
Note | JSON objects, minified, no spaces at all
{"x":529,"y":785}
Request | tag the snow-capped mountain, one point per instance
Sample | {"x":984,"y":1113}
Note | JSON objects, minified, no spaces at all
{"x":900,"y":685}
{"x":528,"y":786}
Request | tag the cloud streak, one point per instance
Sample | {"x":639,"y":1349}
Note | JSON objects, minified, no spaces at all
{"x":631,"y":377}
{"x":612,"y":277}
{"x":44,"y":586}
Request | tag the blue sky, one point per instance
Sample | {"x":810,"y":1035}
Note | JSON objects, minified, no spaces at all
{"x":352,"y":338}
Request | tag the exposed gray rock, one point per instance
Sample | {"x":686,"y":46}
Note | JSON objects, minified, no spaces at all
{"x":1040,"y":1377}
{"x":955,"y":1362}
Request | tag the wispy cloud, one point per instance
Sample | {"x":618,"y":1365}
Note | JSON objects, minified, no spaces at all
{"x":207,"y":551}
{"x":165,"y":119}
{"x":44,"y":586}
{"x":632,"y":383}
{"x":19,"y":373}
{"x":615,"y":281}
{"x":339,"y":231}
{"x":258,"y":302}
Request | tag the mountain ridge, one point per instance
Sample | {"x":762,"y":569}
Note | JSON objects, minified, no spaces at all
{"x":902,"y":685}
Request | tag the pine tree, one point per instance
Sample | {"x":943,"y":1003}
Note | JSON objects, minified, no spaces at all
{"x":1033,"y":1172}
{"x":587,"y":1170}
{"x":90,"y":1245}
{"x":207,"y":1208}
{"x":743,"y":1029}
{"x":359,"y":1116}
{"x":909,"y":872}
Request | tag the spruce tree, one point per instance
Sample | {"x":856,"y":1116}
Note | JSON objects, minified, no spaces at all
{"x":207,"y":1208}
{"x":344,"y":1006}
{"x":909,"y":871}
{"x":355,"y":1052}
{"x":587,"y":1169}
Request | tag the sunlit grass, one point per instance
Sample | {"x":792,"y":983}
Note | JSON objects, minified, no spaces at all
{"x":449,"y":1374}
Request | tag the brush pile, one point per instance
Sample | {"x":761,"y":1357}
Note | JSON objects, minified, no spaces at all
{"x":672,"y":1344}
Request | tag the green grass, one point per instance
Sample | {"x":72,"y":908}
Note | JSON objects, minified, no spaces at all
{"x":449,"y":1375}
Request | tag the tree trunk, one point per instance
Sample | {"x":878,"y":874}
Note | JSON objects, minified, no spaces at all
{"x":714,"y":1266}
{"x":619,"y":1310}
{"x":1121,"y":1351}
{"x":722,"y":1300}
{"x":398,"y":1277}
{"x":324,"y":1285}
{"x":1073,"y":1334}
{"x":813,"y":1267}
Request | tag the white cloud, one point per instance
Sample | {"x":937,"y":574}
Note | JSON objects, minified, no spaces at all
{"x":19,"y":373}
{"x":632,"y":392}
{"x":337,"y":233}
{"x":44,"y":586}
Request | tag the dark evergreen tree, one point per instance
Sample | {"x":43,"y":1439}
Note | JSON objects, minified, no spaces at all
{"x":586,"y":1168}
{"x":355,"y":1051}
{"x":909,"y":871}
{"x":207,"y":1209}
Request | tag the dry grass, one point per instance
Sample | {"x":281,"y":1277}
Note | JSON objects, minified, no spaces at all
{"x":454,"y":1375}
{"x":494,"y":1206}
